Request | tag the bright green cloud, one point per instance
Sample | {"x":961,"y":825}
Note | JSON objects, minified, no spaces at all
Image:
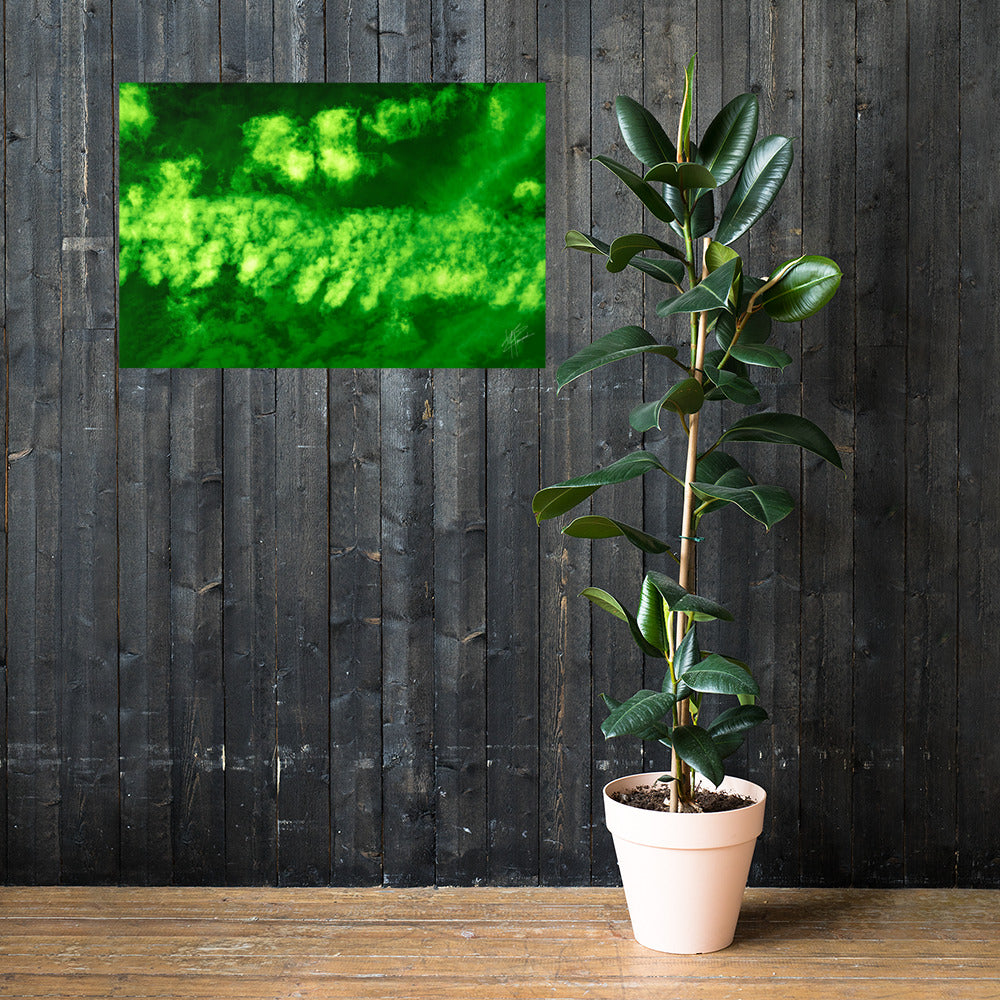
{"x":134,"y":117}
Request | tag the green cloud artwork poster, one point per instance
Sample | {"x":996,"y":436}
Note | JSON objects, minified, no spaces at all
{"x":332,"y":225}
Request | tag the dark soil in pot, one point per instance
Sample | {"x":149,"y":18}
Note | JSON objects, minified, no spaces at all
{"x":657,"y":799}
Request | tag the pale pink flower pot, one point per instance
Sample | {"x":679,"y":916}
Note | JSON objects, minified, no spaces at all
{"x":684,"y":873}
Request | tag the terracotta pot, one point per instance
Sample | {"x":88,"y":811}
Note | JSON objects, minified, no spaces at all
{"x":684,"y":873}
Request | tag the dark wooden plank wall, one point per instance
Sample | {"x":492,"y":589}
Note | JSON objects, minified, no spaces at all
{"x":227,"y":661}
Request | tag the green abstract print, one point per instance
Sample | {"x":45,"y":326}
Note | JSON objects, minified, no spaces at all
{"x":332,"y":225}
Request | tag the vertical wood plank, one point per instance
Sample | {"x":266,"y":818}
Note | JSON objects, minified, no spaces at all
{"x":355,"y":550}
{"x":33,"y":159}
{"x":249,"y":625}
{"x":880,"y":438}
{"x":407,"y":549}
{"x":249,"y":499}
{"x":979,"y":454}
{"x":88,"y":676}
{"x":512,"y":596}
{"x":355,"y":628}
{"x":769,"y":585}
{"x":459,"y":54}
{"x":564,"y":563}
{"x":87,"y":672}
{"x":302,"y":483}
{"x":4,"y":650}
{"x":181,"y":43}
{"x":932,"y":363}
{"x":246,"y":33}
{"x":827,"y":498}
{"x":145,"y":755}
{"x":616,"y":28}
{"x":299,"y":41}
{"x":352,"y":40}
{"x":196,"y":676}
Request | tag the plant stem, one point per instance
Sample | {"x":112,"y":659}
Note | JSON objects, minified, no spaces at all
{"x":685,"y":575}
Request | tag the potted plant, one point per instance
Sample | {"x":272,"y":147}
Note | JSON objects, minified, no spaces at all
{"x":683,"y":850}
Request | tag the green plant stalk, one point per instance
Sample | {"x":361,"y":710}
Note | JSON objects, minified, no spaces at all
{"x":680,"y":789}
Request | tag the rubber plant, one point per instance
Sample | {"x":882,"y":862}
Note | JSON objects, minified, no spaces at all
{"x":708,"y":293}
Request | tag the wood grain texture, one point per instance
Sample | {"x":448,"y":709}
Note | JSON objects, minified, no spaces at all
{"x":458,"y":53}
{"x":87,"y":670}
{"x":303,"y":675}
{"x":355,"y":628}
{"x":615,"y":300}
{"x":34,"y":344}
{"x":143,"y":440}
{"x":183,"y":550}
{"x":978,"y":704}
{"x":512,"y":570}
{"x":826,"y":757}
{"x":355,"y":611}
{"x":769,"y":583}
{"x":881,"y":283}
{"x":249,"y":618}
{"x":932,"y":373}
{"x":495,"y":943}
{"x":565,"y":757}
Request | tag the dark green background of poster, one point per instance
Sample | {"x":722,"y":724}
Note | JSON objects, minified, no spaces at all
{"x":332,"y":225}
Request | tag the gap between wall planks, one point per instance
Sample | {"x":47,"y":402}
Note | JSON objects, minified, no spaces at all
{"x":303,"y":686}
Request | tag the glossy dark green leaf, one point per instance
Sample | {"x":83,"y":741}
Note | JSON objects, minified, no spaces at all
{"x":686,"y":176}
{"x":703,"y":216}
{"x":687,"y":655}
{"x":718,"y":254}
{"x":734,"y":387}
{"x":592,"y":526}
{"x":728,"y":745}
{"x":711,"y":468}
{"x":651,"y":616}
{"x":669,"y":271}
{"x":767,"y":504}
{"x":718,"y":675}
{"x":695,"y":746}
{"x":625,"y":342}
{"x":679,"y":599}
{"x":608,"y":603}
{"x":756,"y":330}
{"x":575,"y":240}
{"x":643,"y":134}
{"x":763,"y":174}
{"x":711,"y":293}
{"x":734,"y":479}
{"x":714,"y":358}
{"x":803,"y":290}
{"x":641,"y":715}
{"x":555,"y":500}
{"x":737,"y":720}
{"x":646,"y":194}
{"x":784,"y":428}
{"x":729,"y":138}
{"x":624,"y":248}
{"x":684,"y":397}
{"x":763,"y":355}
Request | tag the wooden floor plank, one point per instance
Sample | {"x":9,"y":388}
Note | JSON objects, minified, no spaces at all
{"x":491,"y":943}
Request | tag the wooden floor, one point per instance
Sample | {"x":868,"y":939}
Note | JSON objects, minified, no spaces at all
{"x":792,"y":944}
